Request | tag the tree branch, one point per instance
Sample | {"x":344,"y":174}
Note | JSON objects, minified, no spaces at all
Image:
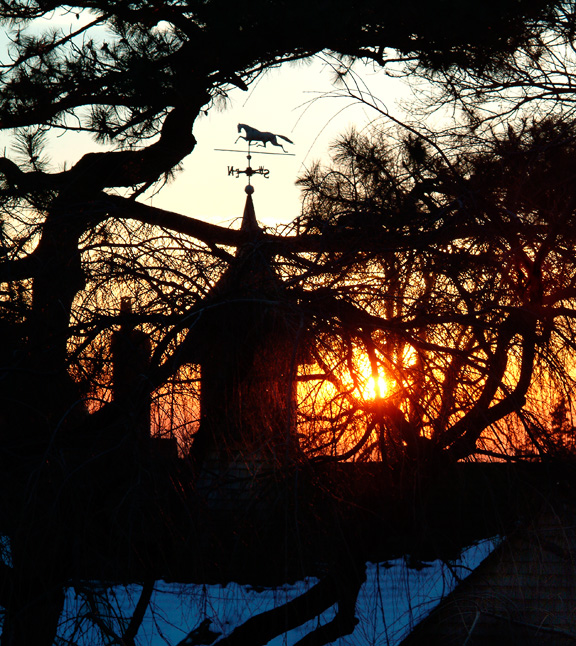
{"x":139,"y":612}
{"x":464,"y":434}
{"x":339,"y":587}
{"x":343,"y":623}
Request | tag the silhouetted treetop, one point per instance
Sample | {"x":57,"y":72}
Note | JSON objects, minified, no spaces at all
{"x":127,"y":72}
{"x":474,"y":273}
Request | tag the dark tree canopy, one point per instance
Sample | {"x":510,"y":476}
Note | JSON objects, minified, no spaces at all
{"x":132,"y":63}
{"x":461,"y":297}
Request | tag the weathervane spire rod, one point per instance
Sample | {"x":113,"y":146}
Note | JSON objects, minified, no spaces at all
{"x":249,"y":171}
{"x":253,"y":136}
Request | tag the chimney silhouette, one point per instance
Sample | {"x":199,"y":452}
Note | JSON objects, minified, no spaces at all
{"x":131,"y":350}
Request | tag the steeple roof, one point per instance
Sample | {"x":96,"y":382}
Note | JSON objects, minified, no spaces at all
{"x":249,"y":221}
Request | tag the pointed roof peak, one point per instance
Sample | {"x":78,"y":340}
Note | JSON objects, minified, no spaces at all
{"x":249,"y":221}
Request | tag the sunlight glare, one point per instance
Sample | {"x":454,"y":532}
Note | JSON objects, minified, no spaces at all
{"x":376,"y":389}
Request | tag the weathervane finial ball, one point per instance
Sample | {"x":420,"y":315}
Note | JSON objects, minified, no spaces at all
{"x":249,"y":189}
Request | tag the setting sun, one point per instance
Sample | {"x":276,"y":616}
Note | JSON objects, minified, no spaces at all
{"x":375,"y":388}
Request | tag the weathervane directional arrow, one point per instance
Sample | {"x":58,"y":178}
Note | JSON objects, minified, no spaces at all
{"x":253,"y":135}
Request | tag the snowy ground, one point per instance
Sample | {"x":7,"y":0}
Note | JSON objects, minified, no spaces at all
{"x":393,"y":599}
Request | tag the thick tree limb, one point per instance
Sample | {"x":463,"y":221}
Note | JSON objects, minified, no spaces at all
{"x":139,"y":612}
{"x":96,"y":171}
{"x":340,"y":587}
{"x":343,"y":623}
{"x":461,"y":438}
{"x":20,"y":269}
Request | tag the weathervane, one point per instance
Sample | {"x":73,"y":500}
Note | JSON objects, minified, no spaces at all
{"x":251,"y":135}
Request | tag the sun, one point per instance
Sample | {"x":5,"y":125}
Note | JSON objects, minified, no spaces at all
{"x":375,"y":388}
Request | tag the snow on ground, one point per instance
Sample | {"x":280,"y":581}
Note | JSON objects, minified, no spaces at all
{"x":391,"y":602}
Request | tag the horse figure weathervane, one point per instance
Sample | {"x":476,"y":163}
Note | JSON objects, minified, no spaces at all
{"x":253,"y":136}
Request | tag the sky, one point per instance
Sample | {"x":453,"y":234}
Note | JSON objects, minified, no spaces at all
{"x":297,"y":100}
